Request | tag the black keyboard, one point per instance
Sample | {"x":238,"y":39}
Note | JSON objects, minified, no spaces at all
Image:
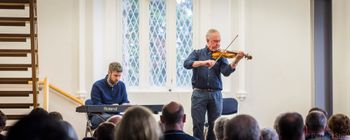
{"x":114,"y":108}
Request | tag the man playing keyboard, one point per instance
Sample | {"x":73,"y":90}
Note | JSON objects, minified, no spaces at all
{"x":108,"y":91}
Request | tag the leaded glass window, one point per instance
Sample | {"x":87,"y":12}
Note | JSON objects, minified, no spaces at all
{"x":184,"y":36}
{"x":130,"y":48}
{"x":157,"y":38}
{"x":154,"y":48}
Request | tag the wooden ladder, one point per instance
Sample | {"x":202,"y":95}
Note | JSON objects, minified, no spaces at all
{"x":15,"y":48}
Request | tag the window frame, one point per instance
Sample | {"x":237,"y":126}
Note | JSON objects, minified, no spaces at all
{"x":170,"y":43}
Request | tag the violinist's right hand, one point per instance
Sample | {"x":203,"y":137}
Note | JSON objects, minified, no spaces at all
{"x":206,"y":63}
{"x":209,"y":63}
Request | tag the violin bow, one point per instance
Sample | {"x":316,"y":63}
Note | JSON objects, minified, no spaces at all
{"x":225,"y":50}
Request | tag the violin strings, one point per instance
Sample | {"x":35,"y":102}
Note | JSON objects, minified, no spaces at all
{"x":225,"y":49}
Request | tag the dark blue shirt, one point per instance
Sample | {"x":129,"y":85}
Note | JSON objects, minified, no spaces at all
{"x":177,"y":135}
{"x":203,"y":77}
{"x":104,"y":94}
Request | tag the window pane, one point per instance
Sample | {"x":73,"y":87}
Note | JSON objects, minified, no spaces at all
{"x":131,"y":42}
{"x":157,"y":43}
{"x":184,"y":38}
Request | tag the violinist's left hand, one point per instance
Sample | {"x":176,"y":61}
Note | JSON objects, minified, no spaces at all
{"x":239,"y":56}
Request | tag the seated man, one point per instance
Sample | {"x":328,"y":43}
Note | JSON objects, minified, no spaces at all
{"x":173,"y":118}
{"x":316,"y":124}
{"x":242,"y":127}
{"x":108,"y":91}
{"x":290,"y":126}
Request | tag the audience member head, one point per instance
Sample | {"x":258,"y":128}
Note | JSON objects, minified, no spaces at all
{"x":242,"y":127}
{"x":339,"y":125}
{"x":275,"y":123}
{"x":105,"y":131}
{"x":320,"y":110}
{"x":38,"y":112}
{"x":268,"y":134}
{"x":3,"y":119}
{"x":37,"y":125}
{"x":173,"y":116}
{"x":316,"y":123}
{"x":56,"y":115}
{"x":219,"y":127}
{"x":69,"y":129}
{"x":291,"y":126}
{"x":138,"y":123}
{"x":115,"y":119}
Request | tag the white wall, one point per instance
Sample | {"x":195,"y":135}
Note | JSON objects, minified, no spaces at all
{"x":341,"y":59}
{"x":277,"y":34}
{"x":58,"y":42}
{"x":58,"y":55}
{"x":279,"y":77}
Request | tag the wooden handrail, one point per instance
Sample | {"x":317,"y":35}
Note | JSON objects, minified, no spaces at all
{"x":46,"y":93}
{"x":60,"y":91}
{"x":75,"y":99}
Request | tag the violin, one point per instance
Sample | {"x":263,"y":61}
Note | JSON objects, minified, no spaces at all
{"x":228,"y":54}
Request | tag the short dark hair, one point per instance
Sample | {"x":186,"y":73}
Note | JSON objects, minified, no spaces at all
{"x":290,"y":126}
{"x":56,"y":115}
{"x":38,"y":112}
{"x":3,"y":119}
{"x":105,"y":131}
{"x":320,"y":110}
{"x":242,"y":127}
{"x":172,"y":117}
{"x":115,"y":67}
{"x":316,"y":121}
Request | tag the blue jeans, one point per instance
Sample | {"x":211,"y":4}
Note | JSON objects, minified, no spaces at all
{"x":97,"y":119}
{"x":201,"y":103}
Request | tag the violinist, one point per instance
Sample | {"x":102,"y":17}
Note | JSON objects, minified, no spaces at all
{"x":207,"y":83}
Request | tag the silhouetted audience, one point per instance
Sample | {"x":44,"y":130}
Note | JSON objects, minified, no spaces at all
{"x":37,"y":125}
{"x":3,"y":119}
{"x":138,"y":123}
{"x":315,"y":126}
{"x":174,"y":118}
{"x":219,"y":127}
{"x":291,"y":126}
{"x":268,"y":134}
{"x":242,"y":127}
{"x":339,"y":125}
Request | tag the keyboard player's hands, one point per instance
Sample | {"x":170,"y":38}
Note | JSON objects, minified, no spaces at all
{"x":122,"y":104}
{"x":126,"y":104}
